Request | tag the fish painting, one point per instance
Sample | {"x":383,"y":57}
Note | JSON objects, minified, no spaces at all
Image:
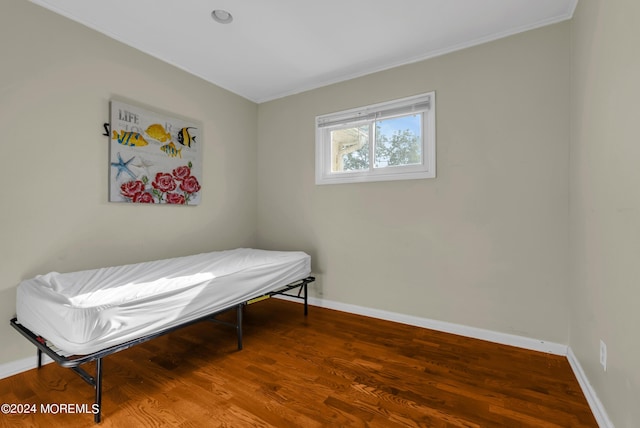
{"x":170,"y":150}
{"x":185,"y":138}
{"x":157,"y":132}
{"x":129,"y":138}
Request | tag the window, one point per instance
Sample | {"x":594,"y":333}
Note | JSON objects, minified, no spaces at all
{"x":395,"y":140}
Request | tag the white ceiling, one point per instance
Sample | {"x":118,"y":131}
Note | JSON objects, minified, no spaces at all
{"x":275,"y":48}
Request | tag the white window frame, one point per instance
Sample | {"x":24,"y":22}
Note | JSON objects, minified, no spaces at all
{"x":423,"y":103}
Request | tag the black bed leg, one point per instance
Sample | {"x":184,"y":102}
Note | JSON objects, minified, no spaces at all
{"x":239,"y":325}
{"x":39,"y":358}
{"x":98,"y":386}
{"x":306,"y":305}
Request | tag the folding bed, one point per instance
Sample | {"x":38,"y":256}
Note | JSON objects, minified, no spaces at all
{"x":79,"y":317}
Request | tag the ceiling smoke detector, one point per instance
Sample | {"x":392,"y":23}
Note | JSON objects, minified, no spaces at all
{"x":221,"y":16}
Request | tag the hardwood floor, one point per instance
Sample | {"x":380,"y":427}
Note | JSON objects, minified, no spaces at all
{"x":329,"y":369}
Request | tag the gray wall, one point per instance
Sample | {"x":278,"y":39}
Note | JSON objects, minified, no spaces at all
{"x":485,"y":243}
{"x":605,"y":202}
{"x":56,"y":79}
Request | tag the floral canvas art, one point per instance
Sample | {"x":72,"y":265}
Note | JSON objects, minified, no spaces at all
{"x":154,"y":158}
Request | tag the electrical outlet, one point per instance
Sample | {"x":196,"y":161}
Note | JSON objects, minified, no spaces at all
{"x":603,"y":355}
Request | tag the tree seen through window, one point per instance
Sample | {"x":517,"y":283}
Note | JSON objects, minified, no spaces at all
{"x":394,"y":146}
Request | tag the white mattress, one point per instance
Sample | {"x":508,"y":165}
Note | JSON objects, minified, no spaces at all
{"x":87,"y":311}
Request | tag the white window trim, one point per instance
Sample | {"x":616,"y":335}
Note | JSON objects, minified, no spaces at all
{"x":427,"y":169}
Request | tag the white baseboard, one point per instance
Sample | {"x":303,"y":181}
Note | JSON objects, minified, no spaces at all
{"x":446,"y":327}
{"x":19,"y":366}
{"x":594,"y":403}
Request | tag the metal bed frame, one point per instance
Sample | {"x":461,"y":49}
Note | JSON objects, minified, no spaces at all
{"x":75,"y":361}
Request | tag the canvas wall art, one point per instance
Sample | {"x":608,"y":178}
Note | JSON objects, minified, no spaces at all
{"x":154,"y":158}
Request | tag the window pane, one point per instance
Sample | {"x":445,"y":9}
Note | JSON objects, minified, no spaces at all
{"x":398,"y":141}
{"x":350,"y":149}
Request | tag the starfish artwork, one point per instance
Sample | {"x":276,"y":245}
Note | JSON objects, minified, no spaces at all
{"x":143,"y":164}
{"x":123,"y":167}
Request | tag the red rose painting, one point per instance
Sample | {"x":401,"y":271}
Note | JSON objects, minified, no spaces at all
{"x":190,"y":185}
{"x":181,"y":172}
{"x":164,"y":182}
{"x":162,"y":189}
{"x":175,"y":198}
{"x":131,"y":188}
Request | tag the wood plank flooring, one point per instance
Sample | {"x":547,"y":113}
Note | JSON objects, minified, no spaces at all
{"x":330,"y":369}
